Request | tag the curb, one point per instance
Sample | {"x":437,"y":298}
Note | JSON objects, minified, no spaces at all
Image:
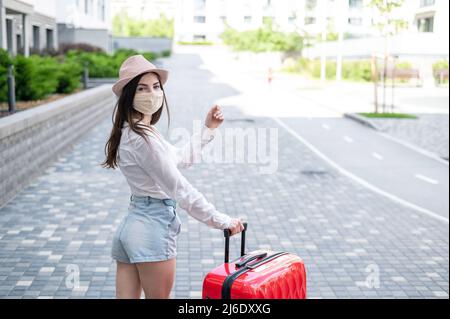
{"x":363,"y":120}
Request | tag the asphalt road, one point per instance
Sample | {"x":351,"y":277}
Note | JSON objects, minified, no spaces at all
{"x":400,"y":172}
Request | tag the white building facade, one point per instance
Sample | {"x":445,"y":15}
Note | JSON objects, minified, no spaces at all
{"x":426,"y":35}
{"x":143,"y":9}
{"x":203,"y":20}
{"x":28,"y":26}
{"x":84,"y":21}
{"x":33,"y":26}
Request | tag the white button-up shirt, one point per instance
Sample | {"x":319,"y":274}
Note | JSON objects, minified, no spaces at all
{"x":152,"y":169}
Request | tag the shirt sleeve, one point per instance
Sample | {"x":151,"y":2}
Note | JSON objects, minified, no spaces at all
{"x":187,"y":154}
{"x":152,"y":157}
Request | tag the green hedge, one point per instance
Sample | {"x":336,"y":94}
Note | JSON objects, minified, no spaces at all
{"x":264,"y":39}
{"x":34,"y":80}
{"x":102,"y":65}
{"x":438,"y":66}
{"x":5,"y":60}
{"x":351,"y":70}
{"x":36,"y":77}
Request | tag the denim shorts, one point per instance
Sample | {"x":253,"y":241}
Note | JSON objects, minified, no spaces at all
{"x":149,"y":231}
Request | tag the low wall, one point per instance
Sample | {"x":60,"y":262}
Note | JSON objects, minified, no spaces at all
{"x":30,"y":140}
{"x":142,"y":44}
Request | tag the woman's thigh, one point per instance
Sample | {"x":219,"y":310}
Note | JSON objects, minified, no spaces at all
{"x":128,"y":285}
{"x":157,"y":278}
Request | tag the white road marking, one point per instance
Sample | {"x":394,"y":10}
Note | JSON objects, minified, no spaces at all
{"x":426,"y":179}
{"x":386,"y":136}
{"x":326,"y":127}
{"x":414,"y":148}
{"x":348,"y":139}
{"x":377,"y":156}
{"x":360,"y":180}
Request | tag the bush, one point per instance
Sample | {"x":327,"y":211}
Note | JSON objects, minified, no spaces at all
{"x":440,"y":65}
{"x":351,"y":70}
{"x":262,"y":40}
{"x":39,"y":76}
{"x":69,"y":77}
{"x":35,"y":77}
{"x":66,"y":47}
{"x":102,"y":65}
{"x":5,"y":60}
{"x":166,"y":53}
{"x":125,"y":26}
{"x":357,"y":70}
{"x":403,"y":65}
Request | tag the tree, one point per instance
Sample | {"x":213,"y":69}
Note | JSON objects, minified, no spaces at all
{"x":125,"y":26}
{"x":388,"y":26}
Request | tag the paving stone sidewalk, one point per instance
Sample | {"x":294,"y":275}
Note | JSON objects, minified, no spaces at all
{"x":429,"y":131}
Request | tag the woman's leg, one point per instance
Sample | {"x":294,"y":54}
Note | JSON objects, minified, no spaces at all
{"x":128,"y":285}
{"x":157,"y":278}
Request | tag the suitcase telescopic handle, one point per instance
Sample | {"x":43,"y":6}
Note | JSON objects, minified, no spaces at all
{"x":227,"y":242}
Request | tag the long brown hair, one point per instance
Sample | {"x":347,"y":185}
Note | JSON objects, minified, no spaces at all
{"x":124,"y":111}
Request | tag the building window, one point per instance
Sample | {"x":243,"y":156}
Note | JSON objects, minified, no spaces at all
{"x":310,"y":20}
{"x":355,"y":4}
{"x":9,"y":35}
{"x":19,"y":44}
{"x":355,"y":21}
{"x":268,"y":4}
{"x":103,"y":11}
{"x":247,"y":19}
{"x":49,"y":34}
{"x":292,"y":19}
{"x":36,"y":38}
{"x":223,"y":19}
{"x":99,"y":9}
{"x":425,"y":24}
{"x":89,"y":7}
{"x":310,"y":5}
{"x":427,"y":3}
{"x":199,"y":19}
{"x":200,"y":5}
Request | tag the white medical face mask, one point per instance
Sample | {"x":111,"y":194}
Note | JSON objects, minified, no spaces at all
{"x":148,"y":103}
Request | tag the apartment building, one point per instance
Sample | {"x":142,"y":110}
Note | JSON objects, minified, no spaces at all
{"x":86,"y":21}
{"x":27,"y":26}
{"x":204,"y":19}
{"x":143,"y":9}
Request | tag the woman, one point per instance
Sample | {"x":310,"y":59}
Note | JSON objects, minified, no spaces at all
{"x":144,"y":245}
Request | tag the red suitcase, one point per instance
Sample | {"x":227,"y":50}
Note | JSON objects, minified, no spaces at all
{"x":257,"y":275}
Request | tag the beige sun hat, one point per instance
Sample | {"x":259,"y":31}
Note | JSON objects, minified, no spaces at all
{"x":134,"y":66}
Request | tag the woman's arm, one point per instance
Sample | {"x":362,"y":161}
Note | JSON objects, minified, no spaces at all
{"x":151,"y":156}
{"x":186,"y":154}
